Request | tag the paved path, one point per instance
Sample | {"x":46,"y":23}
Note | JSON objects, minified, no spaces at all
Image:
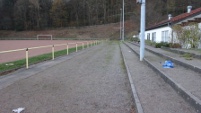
{"x":156,"y":96}
{"x":91,"y":82}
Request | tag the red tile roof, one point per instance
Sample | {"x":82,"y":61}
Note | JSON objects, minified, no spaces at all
{"x":186,"y":15}
{"x":176,"y":18}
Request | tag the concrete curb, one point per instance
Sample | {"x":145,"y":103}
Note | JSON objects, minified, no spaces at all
{"x":191,"y":99}
{"x":194,"y":68}
{"x":134,"y":92}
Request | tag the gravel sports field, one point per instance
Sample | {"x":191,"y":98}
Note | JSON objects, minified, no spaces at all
{"x":92,"y":82}
{"x":6,"y":45}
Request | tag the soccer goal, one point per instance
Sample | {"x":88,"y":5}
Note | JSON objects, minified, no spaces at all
{"x":44,"y":37}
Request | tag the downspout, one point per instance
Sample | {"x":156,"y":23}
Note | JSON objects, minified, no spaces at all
{"x":172,"y":38}
{"x":170,"y":25}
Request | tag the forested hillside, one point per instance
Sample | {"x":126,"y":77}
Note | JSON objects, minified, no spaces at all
{"x":42,"y":14}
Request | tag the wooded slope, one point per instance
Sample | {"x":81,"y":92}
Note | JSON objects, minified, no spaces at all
{"x":41,"y":14}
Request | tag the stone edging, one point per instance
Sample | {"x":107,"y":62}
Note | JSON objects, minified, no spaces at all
{"x":134,"y":92}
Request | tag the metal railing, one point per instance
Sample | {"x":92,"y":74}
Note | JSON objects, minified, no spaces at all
{"x":87,"y":43}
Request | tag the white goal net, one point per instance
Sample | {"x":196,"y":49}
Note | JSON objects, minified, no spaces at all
{"x":44,"y":37}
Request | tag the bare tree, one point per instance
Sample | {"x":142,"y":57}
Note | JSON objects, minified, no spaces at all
{"x":59,"y":13}
{"x":20,"y":14}
{"x":36,"y":9}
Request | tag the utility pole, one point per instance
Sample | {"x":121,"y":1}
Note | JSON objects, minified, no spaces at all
{"x":123,"y":24}
{"x":120,"y":25}
{"x":142,"y":28}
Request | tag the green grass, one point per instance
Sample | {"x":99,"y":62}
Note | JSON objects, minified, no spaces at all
{"x":16,"y":65}
{"x":11,"y":66}
{"x":187,"y":56}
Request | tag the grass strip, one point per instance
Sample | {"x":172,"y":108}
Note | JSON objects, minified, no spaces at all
{"x":11,"y":66}
{"x":187,"y":56}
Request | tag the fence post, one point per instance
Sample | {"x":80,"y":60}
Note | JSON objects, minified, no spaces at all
{"x":82,"y":45}
{"x":27,"y":58}
{"x":76,"y":47}
{"x":52,"y":52}
{"x":67,"y":48}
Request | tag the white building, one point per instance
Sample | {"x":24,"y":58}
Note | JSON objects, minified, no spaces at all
{"x":162,"y":31}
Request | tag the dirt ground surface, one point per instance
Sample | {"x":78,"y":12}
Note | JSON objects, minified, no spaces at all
{"x":6,"y":45}
{"x":95,"y":31}
{"x":92,"y":82}
{"x":156,"y":96}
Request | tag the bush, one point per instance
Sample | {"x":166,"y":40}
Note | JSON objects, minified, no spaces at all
{"x":164,"y":44}
{"x":175,"y":45}
{"x":158,"y":45}
{"x":148,"y":42}
{"x":136,"y":39}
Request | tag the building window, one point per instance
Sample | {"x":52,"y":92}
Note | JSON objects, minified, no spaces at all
{"x":148,"y":36}
{"x":165,"y":36}
{"x":154,"y":37}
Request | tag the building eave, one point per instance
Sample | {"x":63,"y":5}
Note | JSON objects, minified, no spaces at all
{"x":177,"y":19}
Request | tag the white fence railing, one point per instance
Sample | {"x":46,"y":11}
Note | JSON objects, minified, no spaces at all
{"x":87,"y":43}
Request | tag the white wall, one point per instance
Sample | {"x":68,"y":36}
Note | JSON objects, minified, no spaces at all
{"x":199,"y":25}
{"x":174,"y":39}
{"x":159,"y":33}
{"x":200,"y":37}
